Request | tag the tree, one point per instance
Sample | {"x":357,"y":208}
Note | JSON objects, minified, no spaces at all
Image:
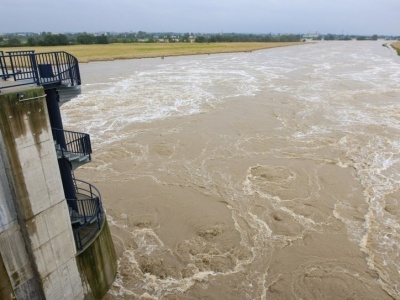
{"x":329,"y":37}
{"x":32,"y":41}
{"x":212,"y":39}
{"x":141,"y":34}
{"x":101,"y":39}
{"x":61,"y":39}
{"x":49,"y":40}
{"x":185,"y":37}
{"x":85,"y":39}
{"x":13,"y":42}
{"x":200,"y":39}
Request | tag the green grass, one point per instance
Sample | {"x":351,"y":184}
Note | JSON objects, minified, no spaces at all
{"x":87,"y":53}
{"x":396,"y":46}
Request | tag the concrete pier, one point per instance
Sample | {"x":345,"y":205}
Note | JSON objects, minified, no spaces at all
{"x":37,"y":248}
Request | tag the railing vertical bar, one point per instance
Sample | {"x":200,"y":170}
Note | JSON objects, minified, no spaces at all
{"x":99,"y":214}
{"x":5,"y":70}
{"x":45,"y":60}
{"x":63,"y":65}
{"x":56,"y":66}
{"x":74,"y":143}
{"x":27,"y":68}
{"x":77,"y":139}
{"x":35,"y":69}
{"x":70,"y":70}
{"x":3,"y":66}
{"x":18,"y":65}
{"x":24,"y":66}
{"x":55,"y":58}
{"x":12,"y":66}
{"x":84,"y":212}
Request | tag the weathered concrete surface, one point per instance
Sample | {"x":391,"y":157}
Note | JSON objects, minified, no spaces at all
{"x":6,"y":289}
{"x":98,"y":264}
{"x":36,"y":241}
{"x":17,"y":265}
{"x":28,"y":139}
{"x":16,"y":271}
{"x":7,"y":209}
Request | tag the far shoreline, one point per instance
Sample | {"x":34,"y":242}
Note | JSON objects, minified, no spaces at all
{"x":396,"y":46}
{"x":122,"y":51}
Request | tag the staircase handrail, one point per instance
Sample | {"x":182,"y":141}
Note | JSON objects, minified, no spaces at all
{"x":87,"y":213}
{"x":73,"y":142}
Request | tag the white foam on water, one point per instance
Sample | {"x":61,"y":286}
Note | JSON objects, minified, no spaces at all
{"x":168,"y":91}
{"x":346,"y":92}
{"x":373,"y":149}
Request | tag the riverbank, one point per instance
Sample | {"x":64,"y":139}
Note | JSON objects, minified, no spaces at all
{"x":396,"y":46}
{"x":88,"y":53}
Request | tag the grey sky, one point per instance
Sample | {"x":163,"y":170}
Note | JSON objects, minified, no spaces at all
{"x":212,"y":16}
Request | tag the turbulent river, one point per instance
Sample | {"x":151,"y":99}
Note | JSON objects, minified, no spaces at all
{"x":273,"y":174}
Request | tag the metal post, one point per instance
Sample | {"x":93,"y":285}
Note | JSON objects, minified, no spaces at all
{"x":12,"y":66}
{"x":63,"y":163}
{"x":55,"y":115}
{"x":58,"y":67}
{"x":34,"y":69}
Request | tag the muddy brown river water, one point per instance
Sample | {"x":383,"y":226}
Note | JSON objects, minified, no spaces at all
{"x":266,"y":175}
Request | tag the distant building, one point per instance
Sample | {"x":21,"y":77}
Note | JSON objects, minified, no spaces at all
{"x":311,"y":36}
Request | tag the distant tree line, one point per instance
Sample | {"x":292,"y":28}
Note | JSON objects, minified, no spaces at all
{"x":91,"y":39}
{"x":49,"y":39}
{"x":232,"y":37}
{"x":341,"y":37}
{"x":364,"y":38}
{"x":332,"y":37}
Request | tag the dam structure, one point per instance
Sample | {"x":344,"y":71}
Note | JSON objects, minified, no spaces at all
{"x":55,"y":242}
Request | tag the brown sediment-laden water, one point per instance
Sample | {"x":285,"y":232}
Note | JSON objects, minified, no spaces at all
{"x":266,"y":175}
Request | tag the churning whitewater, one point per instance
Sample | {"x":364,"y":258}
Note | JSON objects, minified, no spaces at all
{"x":273,"y":174}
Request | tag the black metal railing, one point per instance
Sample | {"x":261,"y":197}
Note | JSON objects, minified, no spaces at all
{"x":86,"y":213}
{"x":47,"y":68}
{"x":72,"y":142}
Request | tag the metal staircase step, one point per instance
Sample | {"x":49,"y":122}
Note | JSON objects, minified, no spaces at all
{"x":76,"y":160}
{"x":66,"y":93}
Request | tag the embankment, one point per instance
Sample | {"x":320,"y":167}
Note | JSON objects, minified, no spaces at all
{"x":88,"y":53}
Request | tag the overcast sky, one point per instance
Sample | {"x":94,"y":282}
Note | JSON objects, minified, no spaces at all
{"x":364,"y":17}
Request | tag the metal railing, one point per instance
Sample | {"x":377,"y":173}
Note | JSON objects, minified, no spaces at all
{"x":72,"y":142}
{"x":47,"y":68}
{"x":86,"y":213}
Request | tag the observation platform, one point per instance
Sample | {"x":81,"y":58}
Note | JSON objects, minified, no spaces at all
{"x":58,"y":70}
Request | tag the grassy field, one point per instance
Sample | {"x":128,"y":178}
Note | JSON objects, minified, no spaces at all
{"x":87,"y":53}
{"x":396,"y":46}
